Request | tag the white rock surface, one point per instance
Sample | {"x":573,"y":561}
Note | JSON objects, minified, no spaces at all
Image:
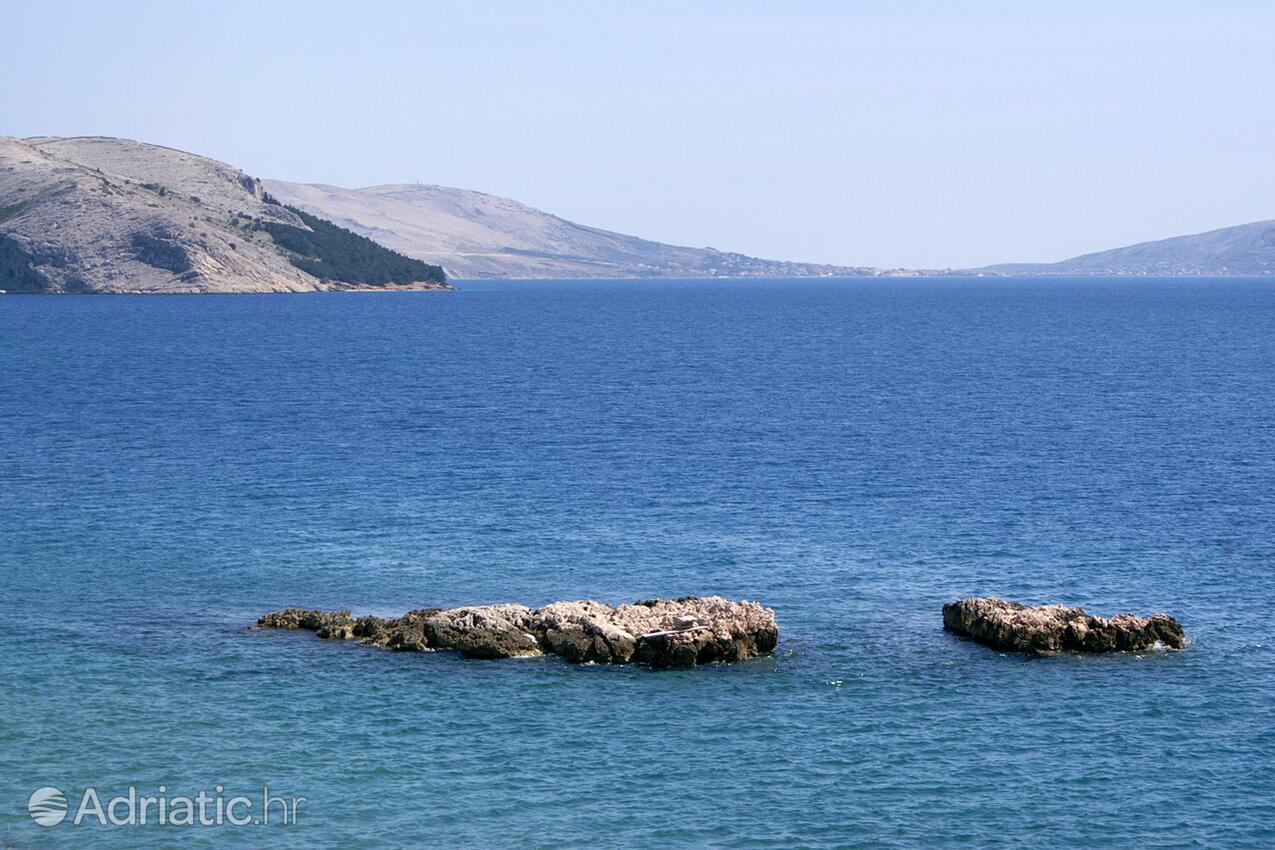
{"x":651,"y":632}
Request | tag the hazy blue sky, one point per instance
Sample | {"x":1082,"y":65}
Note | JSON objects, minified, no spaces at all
{"x":923,"y":134}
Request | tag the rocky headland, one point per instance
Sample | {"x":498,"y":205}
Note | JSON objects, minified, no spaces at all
{"x":92,"y":214}
{"x":1035,"y":630}
{"x":656,"y":632}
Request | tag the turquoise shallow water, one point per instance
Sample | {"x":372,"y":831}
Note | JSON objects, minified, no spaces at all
{"x":852,"y":453}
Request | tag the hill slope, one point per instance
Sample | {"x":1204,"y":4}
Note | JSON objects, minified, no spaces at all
{"x":474,"y":235}
{"x":1247,"y":249}
{"x":94,"y":214}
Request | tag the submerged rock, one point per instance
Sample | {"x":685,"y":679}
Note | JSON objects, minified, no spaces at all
{"x":1011,"y":626}
{"x":658,"y":632}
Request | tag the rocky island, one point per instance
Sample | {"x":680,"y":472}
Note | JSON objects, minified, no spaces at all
{"x":1012,"y":627}
{"x":656,"y":632}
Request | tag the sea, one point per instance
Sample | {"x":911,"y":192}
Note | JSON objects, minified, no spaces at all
{"x":850,"y":452}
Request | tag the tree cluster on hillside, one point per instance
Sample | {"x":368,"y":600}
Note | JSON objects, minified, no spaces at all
{"x":330,"y":252}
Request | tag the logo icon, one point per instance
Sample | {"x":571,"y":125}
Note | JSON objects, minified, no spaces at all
{"x":47,"y":806}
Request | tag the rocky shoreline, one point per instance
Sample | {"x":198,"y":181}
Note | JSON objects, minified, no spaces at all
{"x":1013,"y":627}
{"x":655,"y":632}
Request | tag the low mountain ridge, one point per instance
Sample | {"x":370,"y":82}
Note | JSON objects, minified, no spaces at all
{"x":96,"y":214}
{"x":1245,"y":249}
{"x":476,"y":235}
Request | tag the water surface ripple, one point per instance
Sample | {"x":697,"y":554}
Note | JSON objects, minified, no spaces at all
{"x":853,"y":453}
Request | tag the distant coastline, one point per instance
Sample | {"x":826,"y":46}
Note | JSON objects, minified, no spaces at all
{"x":103,"y":215}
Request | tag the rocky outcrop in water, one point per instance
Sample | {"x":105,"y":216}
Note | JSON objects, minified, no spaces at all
{"x":1013,"y":627}
{"x":336,"y":625}
{"x":657,"y":632}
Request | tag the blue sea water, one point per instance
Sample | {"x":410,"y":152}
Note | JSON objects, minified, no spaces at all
{"x":853,"y":453}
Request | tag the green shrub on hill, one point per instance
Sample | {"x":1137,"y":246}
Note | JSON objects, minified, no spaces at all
{"x":330,"y":252}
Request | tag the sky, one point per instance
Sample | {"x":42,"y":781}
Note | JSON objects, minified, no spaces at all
{"x":892,"y":134}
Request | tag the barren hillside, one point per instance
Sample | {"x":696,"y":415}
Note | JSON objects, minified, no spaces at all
{"x":474,"y":235}
{"x":111,"y":215}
